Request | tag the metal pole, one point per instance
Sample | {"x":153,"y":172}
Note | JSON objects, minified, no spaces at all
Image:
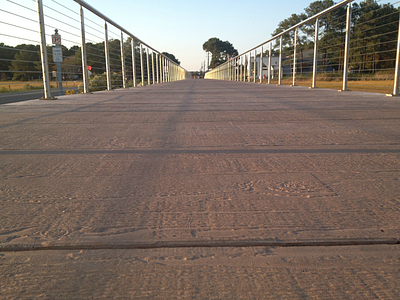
{"x":124,"y":85}
{"x":162,"y":69}
{"x":148,"y":66}
{"x":240,"y":69}
{"x":59,"y":75}
{"x":43,"y":52}
{"x":397,"y":69}
{"x":346,"y":48}
{"x":294,"y":57}
{"x":249,"y":68}
{"x":280,"y":62}
{"x":133,"y":62}
{"x":152,"y":67}
{"x":83,"y":50}
{"x":269,"y":62}
{"x":261,"y":64}
{"x":314,"y":79}
{"x":107,"y":56}
{"x":141,"y":64}
{"x":255,"y":66}
{"x":157,"y":67}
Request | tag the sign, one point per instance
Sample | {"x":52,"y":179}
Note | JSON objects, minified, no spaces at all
{"x":56,"y":39}
{"x":57,"y":54}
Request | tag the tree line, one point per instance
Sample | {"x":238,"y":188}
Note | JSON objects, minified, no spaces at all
{"x":23,"y":62}
{"x":374,"y":30}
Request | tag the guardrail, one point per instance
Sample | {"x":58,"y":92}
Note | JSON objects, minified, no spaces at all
{"x":352,"y":48}
{"x":94,"y":53}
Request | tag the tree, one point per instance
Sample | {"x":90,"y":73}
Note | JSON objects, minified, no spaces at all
{"x":171,"y":57}
{"x":7,"y":54}
{"x":220,"y":51}
{"x":26,"y":63}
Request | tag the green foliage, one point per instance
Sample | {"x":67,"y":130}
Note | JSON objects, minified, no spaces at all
{"x":171,"y":57}
{"x":372,"y":45}
{"x":220,"y":51}
{"x":99,"y":82}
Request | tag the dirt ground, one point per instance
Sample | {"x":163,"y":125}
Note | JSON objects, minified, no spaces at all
{"x":97,"y":191}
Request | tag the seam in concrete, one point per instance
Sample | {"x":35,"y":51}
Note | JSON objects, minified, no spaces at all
{"x":201,"y":244}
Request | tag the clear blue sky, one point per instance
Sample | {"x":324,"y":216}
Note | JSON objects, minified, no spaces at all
{"x":179,"y":27}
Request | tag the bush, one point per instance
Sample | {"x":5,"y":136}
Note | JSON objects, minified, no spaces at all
{"x":99,"y":82}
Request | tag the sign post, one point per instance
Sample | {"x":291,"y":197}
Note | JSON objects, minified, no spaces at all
{"x":57,"y":57}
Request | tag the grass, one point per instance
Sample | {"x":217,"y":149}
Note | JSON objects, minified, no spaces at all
{"x":20,"y":86}
{"x":372,"y":86}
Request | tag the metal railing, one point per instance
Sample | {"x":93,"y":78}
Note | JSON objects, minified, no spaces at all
{"x":96,"y":52}
{"x":344,"y":48}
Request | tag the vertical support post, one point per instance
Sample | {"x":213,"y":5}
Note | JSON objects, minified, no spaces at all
{"x":141,"y":64}
{"x":249,"y":68}
{"x":269,"y":62}
{"x":83,"y":51}
{"x":158,"y":67}
{"x":240,"y":68}
{"x":162,"y":69}
{"x":314,"y":79}
{"x":255,"y":66}
{"x":261,"y":64}
{"x":107,"y":56}
{"x":43,"y":52}
{"x":397,"y":68}
{"x":346,"y":48}
{"x":148,"y":66}
{"x":124,"y":84}
{"x":280,"y":62}
{"x":133,"y":62}
{"x":152,"y":67}
{"x":294,"y":57}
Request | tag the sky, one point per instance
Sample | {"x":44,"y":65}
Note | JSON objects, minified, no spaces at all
{"x":177,"y":26}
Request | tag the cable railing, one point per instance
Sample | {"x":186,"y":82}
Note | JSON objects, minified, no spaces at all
{"x":94,"y":53}
{"x":353,"y":45}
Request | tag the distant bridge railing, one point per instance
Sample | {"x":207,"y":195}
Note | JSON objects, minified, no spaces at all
{"x":353,"y":48}
{"x":94,"y":52}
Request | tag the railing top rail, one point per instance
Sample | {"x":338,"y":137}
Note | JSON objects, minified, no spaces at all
{"x":314,"y":17}
{"x":108,"y":20}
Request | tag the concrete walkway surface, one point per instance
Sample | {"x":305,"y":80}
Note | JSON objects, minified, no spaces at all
{"x":201,"y":189}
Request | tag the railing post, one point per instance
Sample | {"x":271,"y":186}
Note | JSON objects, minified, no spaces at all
{"x":162,"y":69}
{"x":249,"y":68}
{"x":244,"y":68}
{"x":107,"y":57}
{"x":152,"y":67}
{"x":294,"y":57}
{"x":280,"y":62}
{"x":255,"y":64}
{"x":148,"y":66}
{"x":133,"y":62}
{"x":158,"y":67}
{"x":261,"y":64}
{"x":240,"y":68}
{"x":346,"y":48}
{"x":123,"y":62}
{"x":141,"y":64}
{"x":269,"y":62}
{"x":314,"y":79}
{"x":43,"y":52}
{"x":83,"y":50}
{"x":397,"y":68}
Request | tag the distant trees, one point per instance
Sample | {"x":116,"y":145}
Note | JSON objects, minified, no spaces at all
{"x":171,"y":57}
{"x":23,"y":62}
{"x":220,"y":51}
{"x":373,"y":34}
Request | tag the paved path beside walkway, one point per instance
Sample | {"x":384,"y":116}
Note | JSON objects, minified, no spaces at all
{"x":201,"y":189}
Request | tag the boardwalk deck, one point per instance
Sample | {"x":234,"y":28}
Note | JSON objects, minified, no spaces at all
{"x":165,"y":191}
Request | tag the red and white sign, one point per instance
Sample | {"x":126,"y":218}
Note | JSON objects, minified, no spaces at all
{"x":56,"y":39}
